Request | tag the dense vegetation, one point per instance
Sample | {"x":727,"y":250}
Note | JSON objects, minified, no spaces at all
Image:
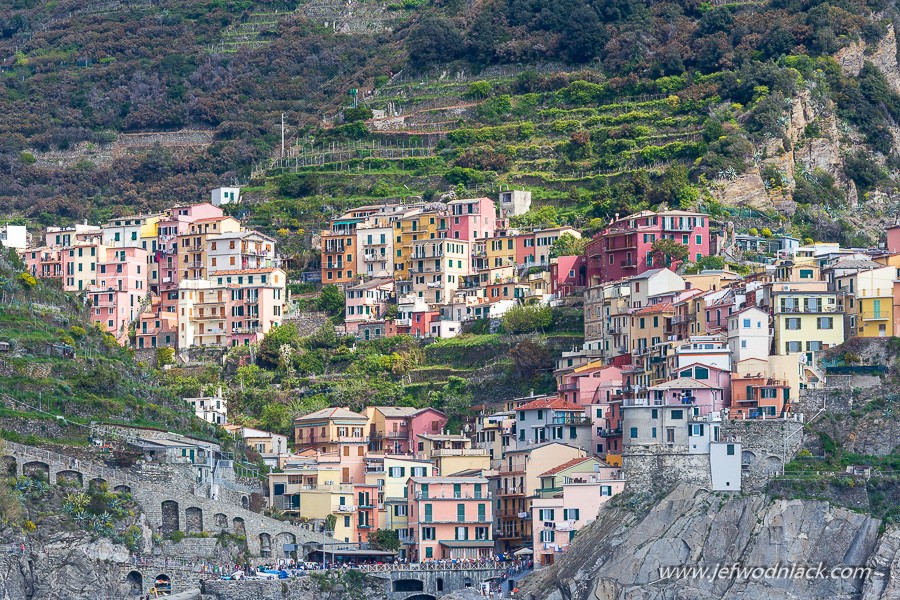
{"x":597,"y":107}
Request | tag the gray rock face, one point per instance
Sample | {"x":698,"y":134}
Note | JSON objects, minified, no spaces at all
{"x":621,"y":554}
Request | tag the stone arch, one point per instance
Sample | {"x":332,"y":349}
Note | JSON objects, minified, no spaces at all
{"x":421,"y":597}
{"x":98,"y":483}
{"x":265,"y":545}
{"x":37,"y":470}
{"x":171,"y":520}
{"x":245,"y":502}
{"x":220,"y":520}
{"x":122,"y":489}
{"x":134,"y":581}
{"x":467,"y":582}
{"x":408,"y":585}
{"x":237,"y":526}
{"x":70,"y":478}
{"x":773,"y":465}
{"x":9,"y":466}
{"x":283,"y":538}
{"x":193,"y":520}
{"x":440,"y":584}
{"x":163,"y":583}
{"x":747,"y":457}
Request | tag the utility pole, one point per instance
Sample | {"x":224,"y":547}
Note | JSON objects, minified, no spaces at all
{"x":282,"y":135}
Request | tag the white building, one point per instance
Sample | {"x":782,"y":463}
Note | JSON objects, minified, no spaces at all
{"x":514,"y":203}
{"x":225,"y":195}
{"x":748,"y":334}
{"x":13,"y":236}
{"x":212,"y":409}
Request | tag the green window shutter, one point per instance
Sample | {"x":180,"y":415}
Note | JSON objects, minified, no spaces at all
{"x":461,"y":512}
{"x":428,"y":513}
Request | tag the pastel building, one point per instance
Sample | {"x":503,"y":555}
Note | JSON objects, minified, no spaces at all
{"x":806,"y":322}
{"x":449,"y":518}
{"x":366,"y":301}
{"x":157,"y":329}
{"x":553,"y":419}
{"x":567,"y":276}
{"x":193,"y":246}
{"x":472,"y":219}
{"x":117,"y":298}
{"x":624,"y":248}
{"x":395,"y":429}
{"x":169,"y":228}
{"x":568,"y":500}
{"x":749,"y":335}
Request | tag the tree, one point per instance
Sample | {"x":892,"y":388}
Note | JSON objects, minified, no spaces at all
{"x":568,"y":245}
{"x":270,"y":349}
{"x":529,"y":358}
{"x":276,"y":418}
{"x":707,"y":263}
{"x":527,"y":318}
{"x":165,"y":356}
{"x":433,"y":39}
{"x":669,"y":251}
{"x":331,"y":300}
{"x":384,"y":539}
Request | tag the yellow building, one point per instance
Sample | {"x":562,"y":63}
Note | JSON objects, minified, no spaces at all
{"x":806,"y":322}
{"x":453,"y":453}
{"x":501,"y":251}
{"x":869,"y":301}
{"x":428,"y":225}
{"x":312,"y":490}
{"x":330,"y":429}
{"x":193,"y":246}
{"x":647,"y":331}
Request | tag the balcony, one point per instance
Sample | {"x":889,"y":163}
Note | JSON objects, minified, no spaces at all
{"x":815,"y":309}
{"x":678,"y":319}
{"x":441,"y":452}
{"x":513,"y":490}
{"x":568,"y":387}
{"x":630,"y":264}
{"x":682,"y":228}
{"x":605,"y":432}
{"x":512,"y":514}
{"x":390,"y":435}
{"x":571,"y":420}
{"x":346,"y":508}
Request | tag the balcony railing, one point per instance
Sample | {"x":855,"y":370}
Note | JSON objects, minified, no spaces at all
{"x":808,"y":309}
{"x":437,"y":453}
{"x":609,"y":432}
{"x":571,"y":420}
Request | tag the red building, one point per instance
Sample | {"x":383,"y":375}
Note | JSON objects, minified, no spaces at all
{"x":567,"y":276}
{"x":624,"y":249}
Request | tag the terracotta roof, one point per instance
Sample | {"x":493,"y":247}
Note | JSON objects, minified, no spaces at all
{"x":654,"y":308}
{"x":566,"y":465}
{"x":243,"y":271}
{"x":331,"y":413}
{"x":555,"y":403}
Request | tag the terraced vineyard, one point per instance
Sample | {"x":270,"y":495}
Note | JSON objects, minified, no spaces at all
{"x":544,"y":132}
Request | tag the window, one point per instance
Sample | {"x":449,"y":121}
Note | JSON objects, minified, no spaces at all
{"x":429,"y":552}
{"x":677,"y":415}
{"x":825,"y":322}
{"x":699,"y":240}
{"x":461,"y":513}
{"x":571,"y":514}
{"x":428,"y":517}
{"x":746,"y":322}
{"x":347,"y":521}
{"x":482,"y":512}
{"x":397,"y":471}
{"x":701,"y":373}
{"x":792,"y":324}
{"x":546,"y":514}
{"x":400,"y":510}
{"x":793,"y":347}
{"x":547,"y":535}
{"x":729,"y":449}
{"x":427,"y":533}
{"x":634,"y":432}
{"x":462,"y":533}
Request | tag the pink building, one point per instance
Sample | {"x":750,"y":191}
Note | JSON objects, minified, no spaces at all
{"x":569,"y":499}
{"x":156,"y":329}
{"x":120,"y":289}
{"x":472,"y":219}
{"x":591,"y":384}
{"x":420,"y":323}
{"x":567,"y":276}
{"x":43,"y":262}
{"x":893,"y":239}
{"x":690,"y":393}
{"x":395,"y":429}
{"x":366,"y":301}
{"x":449,"y":518}
{"x":177,"y":223}
{"x":624,"y":248}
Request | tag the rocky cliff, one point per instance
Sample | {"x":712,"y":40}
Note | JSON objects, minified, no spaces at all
{"x":621,"y":554}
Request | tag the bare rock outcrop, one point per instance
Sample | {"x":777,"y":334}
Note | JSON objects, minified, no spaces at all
{"x":620,"y":555}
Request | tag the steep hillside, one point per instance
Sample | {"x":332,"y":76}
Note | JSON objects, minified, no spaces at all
{"x":781,"y":113}
{"x":59,"y":373}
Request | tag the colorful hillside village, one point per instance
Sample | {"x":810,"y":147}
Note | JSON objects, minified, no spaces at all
{"x":685,"y":371}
